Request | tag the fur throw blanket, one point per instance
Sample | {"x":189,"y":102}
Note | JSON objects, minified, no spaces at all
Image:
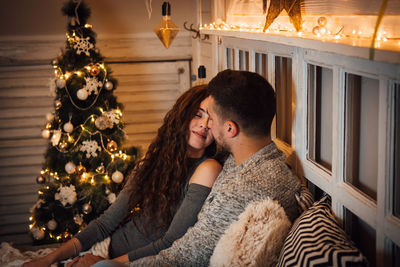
{"x":255,"y":239}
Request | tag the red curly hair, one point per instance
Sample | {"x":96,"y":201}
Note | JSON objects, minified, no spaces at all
{"x":156,"y":184}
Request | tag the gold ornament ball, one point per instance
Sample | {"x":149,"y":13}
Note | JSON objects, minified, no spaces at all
{"x":80,"y":169}
{"x":100,"y":169}
{"x":63,"y":146}
{"x":109,"y":85}
{"x":40,"y":179}
{"x":68,"y":127}
{"x":117,"y":177}
{"x":315,"y":30}
{"x":94,"y":70}
{"x":112,"y":146}
{"x":87,"y":208}
{"x":49,"y":116}
{"x":322,"y":21}
{"x":57,"y":104}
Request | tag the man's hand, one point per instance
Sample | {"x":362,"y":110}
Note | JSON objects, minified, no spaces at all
{"x":85,"y":260}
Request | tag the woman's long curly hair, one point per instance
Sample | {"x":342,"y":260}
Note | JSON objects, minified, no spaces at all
{"x":156,"y":185}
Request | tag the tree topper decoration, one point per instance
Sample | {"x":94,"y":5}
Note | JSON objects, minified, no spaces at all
{"x":292,"y":7}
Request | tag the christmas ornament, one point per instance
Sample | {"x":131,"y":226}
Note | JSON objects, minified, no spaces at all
{"x":70,"y":167}
{"x":112,"y":146}
{"x":166,"y":30}
{"x":109,"y":85}
{"x":40,"y":179}
{"x":92,"y":84}
{"x":94,"y":70}
{"x":82,"y":94}
{"x":78,"y":219}
{"x":66,"y":236}
{"x":100,"y":169}
{"x":71,"y":139}
{"x":80,"y":169}
{"x":320,"y":29}
{"x":113,"y":115}
{"x":68,"y":127}
{"x":66,"y":195}
{"x":54,"y":62}
{"x":111,"y":198}
{"x":52,"y":225}
{"x":37,"y":205}
{"x":90,"y":147}
{"x":117,"y":177}
{"x":292,"y":7}
{"x":322,"y":21}
{"x":45,"y":134}
{"x":82,"y":45}
{"x":57,"y":104}
{"x":49,"y":116}
{"x":103,"y":122}
{"x":37,"y":233}
{"x":87,"y":208}
{"x":60,"y":83}
{"x":55,"y":138}
{"x":63,"y":146}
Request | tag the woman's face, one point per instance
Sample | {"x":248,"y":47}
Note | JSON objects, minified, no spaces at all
{"x":200,"y":135}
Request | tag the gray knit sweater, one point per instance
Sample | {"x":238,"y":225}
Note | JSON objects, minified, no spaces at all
{"x":265,"y":174}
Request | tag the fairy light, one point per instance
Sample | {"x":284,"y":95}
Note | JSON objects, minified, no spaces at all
{"x":31,"y":218}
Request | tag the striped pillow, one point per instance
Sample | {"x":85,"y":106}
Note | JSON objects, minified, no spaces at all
{"x":316,"y":239}
{"x":304,"y":198}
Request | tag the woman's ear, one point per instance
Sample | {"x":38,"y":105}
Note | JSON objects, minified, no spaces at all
{"x":231,"y":128}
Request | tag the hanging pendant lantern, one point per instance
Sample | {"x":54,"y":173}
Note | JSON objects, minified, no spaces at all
{"x":166,"y":30}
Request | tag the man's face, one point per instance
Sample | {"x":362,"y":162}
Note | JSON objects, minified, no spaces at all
{"x":216,"y":125}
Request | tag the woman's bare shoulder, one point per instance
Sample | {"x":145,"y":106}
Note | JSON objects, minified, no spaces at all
{"x":206,"y":173}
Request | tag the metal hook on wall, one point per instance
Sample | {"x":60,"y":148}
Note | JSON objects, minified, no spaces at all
{"x":197,"y":32}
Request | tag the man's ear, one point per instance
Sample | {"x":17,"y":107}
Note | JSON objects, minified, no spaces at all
{"x":231,"y":129}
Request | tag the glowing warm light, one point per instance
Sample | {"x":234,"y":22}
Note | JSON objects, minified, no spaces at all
{"x":31,"y":218}
{"x":88,"y":26}
{"x":78,"y":73}
{"x":30,"y":226}
{"x":40,"y":192}
{"x":67,"y":75}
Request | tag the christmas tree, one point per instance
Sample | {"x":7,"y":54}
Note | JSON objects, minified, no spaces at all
{"x":85,"y":164}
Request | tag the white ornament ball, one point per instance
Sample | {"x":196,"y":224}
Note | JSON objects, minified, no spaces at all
{"x":109,"y":86}
{"x":87,"y":208}
{"x":38,"y":233}
{"x":49,"y":116}
{"x":46,"y":134}
{"x":70,"y":167}
{"x":117,"y":177}
{"x":52,"y":225}
{"x":82,"y":94}
{"x":60,"y":83}
{"x":68,"y":127}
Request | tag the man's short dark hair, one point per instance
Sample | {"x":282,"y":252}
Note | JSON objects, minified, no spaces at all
{"x":245,"y":98}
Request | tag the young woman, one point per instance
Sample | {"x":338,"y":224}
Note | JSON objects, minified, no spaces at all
{"x":163,"y":195}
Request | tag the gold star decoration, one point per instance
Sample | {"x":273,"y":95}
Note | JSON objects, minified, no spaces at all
{"x":292,"y":7}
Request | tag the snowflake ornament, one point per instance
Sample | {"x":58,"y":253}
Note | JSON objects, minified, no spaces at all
{"x":52,"y":87}
{"x":90,"y":147}
{"x":66,"y":195}
{"x":37,"y":205}
{"x":82,"y":45}
{"x":92,"y":84}
{"x":113,"y":116}
{"x":55,"y":138}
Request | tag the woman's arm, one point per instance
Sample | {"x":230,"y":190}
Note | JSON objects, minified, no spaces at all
{"x":67,"y":250}
{"x":199,"y":187}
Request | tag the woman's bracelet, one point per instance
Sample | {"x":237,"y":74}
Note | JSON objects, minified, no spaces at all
{"x":75,"y":250}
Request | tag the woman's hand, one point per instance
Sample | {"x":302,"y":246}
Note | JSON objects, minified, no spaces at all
{"x":85,"y":260}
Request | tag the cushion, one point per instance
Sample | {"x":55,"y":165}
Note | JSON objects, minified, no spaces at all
{"x":316,"y":239}
{"x":255,"y":239}
{"x":304,"y":198}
